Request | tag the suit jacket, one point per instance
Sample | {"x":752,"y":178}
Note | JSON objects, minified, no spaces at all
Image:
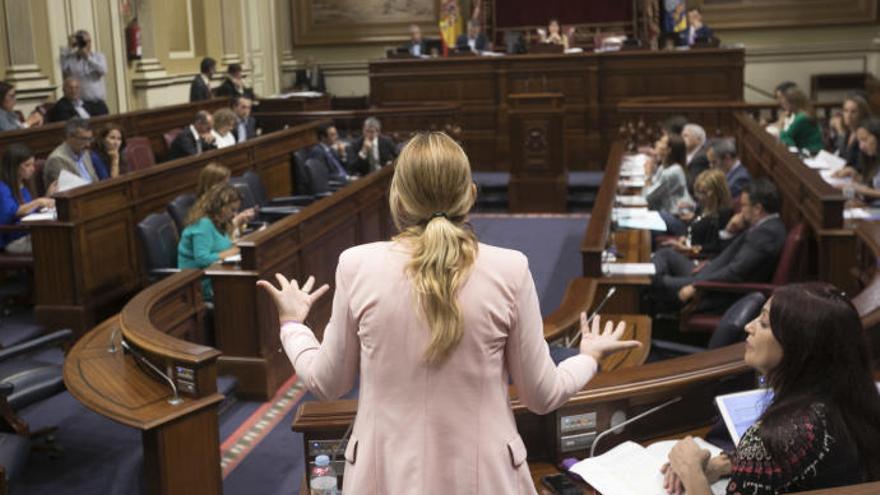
{"x":229,"y":90}
{"x":250,"y":129}
{"x":424,"y":47}
{"x":702,"y":34}
{"x":461,"y":43}
{"x":387,"y":153}
{"x":62,"y":158}
{"x":61,"y":111}
{"x":336,"y":168}
{"x":698,"y":164}
{"x":751,"y":257}
{"x":417,"y":423}
{"x":737,"y":180}
{"x":310,"y":81}
{"x":185,"y":144}
{"x":199,"y":90}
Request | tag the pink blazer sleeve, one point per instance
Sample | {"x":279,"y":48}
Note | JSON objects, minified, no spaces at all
{"x":541,"y":385}
{"x":327,"y":369}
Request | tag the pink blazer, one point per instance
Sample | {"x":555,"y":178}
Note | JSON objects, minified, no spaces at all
{"x":444,"y":429}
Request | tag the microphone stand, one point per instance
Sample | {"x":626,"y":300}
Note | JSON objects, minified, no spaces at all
{"x":570,"y":341}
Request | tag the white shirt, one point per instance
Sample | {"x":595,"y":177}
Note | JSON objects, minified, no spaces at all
{"x":80,"y":109}
{"x":222,"y":141}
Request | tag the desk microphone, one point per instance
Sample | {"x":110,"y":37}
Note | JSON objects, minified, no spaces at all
{"x":571,"y":340}
{"x":175,"y":399}
{"x":619,"y":427}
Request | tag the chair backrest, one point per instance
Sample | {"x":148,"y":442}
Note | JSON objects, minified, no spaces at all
{"x":258,"y":189}
{"x":170,"y":136}
{"x":139,"y":153}
{"x":248,"y":200}
{"x":300,"y":177}
{"x":318,"y":176}
{"x":158,"y":239}
{"x":731,"y":327}
{"x":179,"y":209}
{"x":790,"y":256}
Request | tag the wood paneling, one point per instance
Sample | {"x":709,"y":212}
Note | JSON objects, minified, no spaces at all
{"x":763,"y":14}
{"x":592,"y":85}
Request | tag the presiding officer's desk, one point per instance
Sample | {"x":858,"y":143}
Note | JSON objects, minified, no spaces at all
{"x":87,"y":262}
{"x":152,"y":123}
{"x":163,"y":324}
{"x":591,"y":83}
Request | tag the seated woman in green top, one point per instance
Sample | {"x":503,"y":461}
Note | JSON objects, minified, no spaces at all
{"x":207,"y":236}
{"x":803,"y":132}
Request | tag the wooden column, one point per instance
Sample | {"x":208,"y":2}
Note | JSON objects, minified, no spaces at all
{"x":538,"y":176}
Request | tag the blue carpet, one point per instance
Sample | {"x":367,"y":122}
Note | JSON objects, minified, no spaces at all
{"x":551,"y":243}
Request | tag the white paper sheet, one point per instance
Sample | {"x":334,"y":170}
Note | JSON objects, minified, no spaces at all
{"x":40,"y":215}
{"x":67,"y":181}
{"x":632,"y":201}
{"x":631,"y":469}
{"x":639,"y":219}
{"x":825,"y":161}
{"x":628,"y":269}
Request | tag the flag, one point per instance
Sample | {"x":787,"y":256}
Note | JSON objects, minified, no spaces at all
{"x":674,"y":16}
{"x":450,"y":24}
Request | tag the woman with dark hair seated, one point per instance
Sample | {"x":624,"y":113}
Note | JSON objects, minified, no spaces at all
{"x":16,"y":169}
{"x":822,"y":426}
{"x":844,"y":126}
{"x":866,"y":174}
{"x":107,"y":157}
{"x":666,"y":183}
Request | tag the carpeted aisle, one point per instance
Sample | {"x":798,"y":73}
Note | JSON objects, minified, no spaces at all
{"x":551,"y":242}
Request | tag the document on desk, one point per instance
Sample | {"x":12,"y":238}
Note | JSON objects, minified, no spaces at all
{"x":632,"y":182}
{"x":67,"y":181}
{"x":834,"y":181}
{"x":825,"y":161}
{"x":630,"y":468}
{"x":639,"y":219}
{"x":633,"y":165}
{"x":235,"y":258}
{"x":637,"y":269}
{"x":38,"y":216}
{"x":635,"y":200}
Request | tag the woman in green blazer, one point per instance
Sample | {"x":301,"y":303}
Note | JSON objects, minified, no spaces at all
{"x":207,"y":236}
{"x":804,"y":131}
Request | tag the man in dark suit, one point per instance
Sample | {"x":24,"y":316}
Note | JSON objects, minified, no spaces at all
{"x":722,"y":155}
{"x":372,"y":151}
{"x":696,"y":31}
{"x":751,"y":257}
{"x":474,"y":40}
{"x":200,"y":87}
{"x":195,"y":139}
{"x":246,"y":125}
{"x":331,"y":152}
{"x":694,"y":138}
{"x":416,"y":46}
{"x":233,"y":85}
{"x":310,"y":78}
{"x":70,"y":105}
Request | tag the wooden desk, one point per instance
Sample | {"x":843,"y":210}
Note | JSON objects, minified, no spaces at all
{"x":592,"y":85}
{"x":294,"y":104}
{"x":152,"y":123}
{"x":308,"y":243}
{"x":87,"y":262}
{"x":181,"y":441}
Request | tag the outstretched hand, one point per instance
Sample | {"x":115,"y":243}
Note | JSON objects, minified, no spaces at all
{"x":599,"y":344}
{"x":292,"y":301}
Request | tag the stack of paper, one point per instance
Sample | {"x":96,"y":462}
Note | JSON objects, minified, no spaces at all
{"x":633,"y":165}
{"x":639,"y":219}
{"x":67,"y":180}
{"x":825,"y":161}
{"x":635,"y":269}
{"x":40,"y":215}
{"x":632,"y":200}
{"x":632,"y":182}
{"x":631,"y":469}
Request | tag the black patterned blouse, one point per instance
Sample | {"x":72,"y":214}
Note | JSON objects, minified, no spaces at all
{"x":815,"y":460}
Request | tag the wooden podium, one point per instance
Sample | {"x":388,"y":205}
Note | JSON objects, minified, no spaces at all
{"x":538,"y":176}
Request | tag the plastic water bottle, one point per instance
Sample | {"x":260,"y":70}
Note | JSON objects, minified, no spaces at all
{"x":323,"y":480}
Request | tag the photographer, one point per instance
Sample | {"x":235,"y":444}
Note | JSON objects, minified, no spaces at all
{"x":79,"y":61}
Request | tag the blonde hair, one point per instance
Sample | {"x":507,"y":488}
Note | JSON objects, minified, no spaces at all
{"x":211,"y":174}
{"x":211,"y":205}
{"x":431,"y":194}
{"x":717,"y":195}
{"x":224,"y":117}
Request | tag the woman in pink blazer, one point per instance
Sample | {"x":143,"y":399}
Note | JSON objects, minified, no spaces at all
{"x":434,"y":323}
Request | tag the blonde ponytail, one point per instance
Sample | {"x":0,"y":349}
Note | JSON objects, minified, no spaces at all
{"x":431,"y":194}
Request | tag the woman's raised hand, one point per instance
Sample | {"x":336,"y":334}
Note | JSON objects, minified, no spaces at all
{"x":598,"y":344}
{"x":292,"y":301}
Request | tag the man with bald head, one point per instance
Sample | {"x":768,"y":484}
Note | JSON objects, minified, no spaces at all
{"x":70,"y":105}
{"x":195,"y":139}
